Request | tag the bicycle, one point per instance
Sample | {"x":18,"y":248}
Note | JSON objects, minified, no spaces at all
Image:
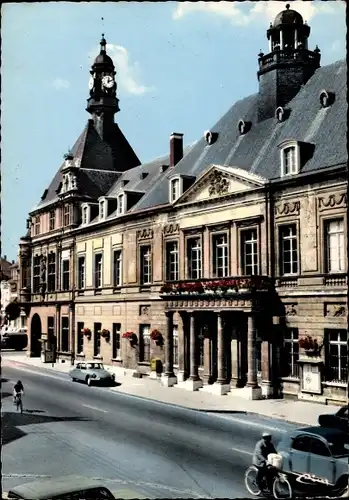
{"x":281,"y":487}
{"x":19,"y":402}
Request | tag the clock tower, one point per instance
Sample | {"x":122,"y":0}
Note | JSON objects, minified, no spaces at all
{"x":103,"y":103}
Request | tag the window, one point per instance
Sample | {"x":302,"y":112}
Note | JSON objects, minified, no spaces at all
{"x":288,"y":250}
{"x":97,"y":327}
{"x":51,"y":269}
{"x":37,"y":228}
{"x":172,"y":260}
{"x":146,"y":274}
{"x":249,"y":252}
{"x":317,"y":447}
{"x":194,"y":258}
{"x":302,"y":443}
{"x":65,"y":275}
{"x":116,"y":346}
{"x":175,"y":345}
{"x":337,"y":356}
{"x":102,"y":209}
{"x":52,"y":219}
{"x":80,"y":338}
{"x":144,"y":347}
{"x":220,"y":255}
{"x":66,"y":215}
{"x":36,"y":274}
{"x":121,"y":204}
{"x":335,"y":246}
{"x":291,"y":353}
{"x":289,"y":161}
{"x":174,"y":189}
{"x":85,"y":215}
{"x":65,"y":334}
{"x":50,"y":327}
{"x":117,"y":268}
{"x":81,"y":272}
{"x":98,"y":270}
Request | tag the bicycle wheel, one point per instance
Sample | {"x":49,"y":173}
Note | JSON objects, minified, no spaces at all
{"x":282,"y":488}
{"x":250,"y":481}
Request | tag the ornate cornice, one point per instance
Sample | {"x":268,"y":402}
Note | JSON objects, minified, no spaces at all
{"x":219,"y":184}
{"x":145,"y":234}
{"x":287,"y":208}
{"x":171,"y":229}
{"x":332,"y":200}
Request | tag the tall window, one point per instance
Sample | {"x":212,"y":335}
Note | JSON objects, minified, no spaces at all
{"x":290,"y":161}
{"x":194,"y":263}
{"x":52,"y":219}
{"x":51,"y":270}
{"x":337,"y":355}
{"x":80,"y":338}
{"x":102,"y":209}
{"x":97,"y":327}
{"x":220,"y":255}
{"x":66,"y":215}
{"x":85,"y":215}
{"x":65,"y":274}
{"x":116,"y":346}
{"x":81,"y":272}
{"x":36,"y":274}
{"x":117,"y":268}
{"x":144,"y":347}
{"x":98,"y":270}
{"x":249,"y":252}
{"x":291,"y":353}
{"x":146,"y":274}
{"x":288,"y":250}
{"x":172,"y":260}
{"x":65,"y":334}
{"x":121,"y":204}
{"x":50,"y":326}
{"x":175,"y":190}
{"x":37,"y":222}
{"x":335,"y":245}
{"x":175,"y":344}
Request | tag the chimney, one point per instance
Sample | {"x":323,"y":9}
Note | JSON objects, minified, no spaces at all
{"x":176,"y":148}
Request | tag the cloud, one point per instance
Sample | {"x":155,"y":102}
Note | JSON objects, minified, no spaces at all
{"x":60,"y":83}
{"x":336,"y":46}
{"x":128,"y":74}
{"x":266,"y":10}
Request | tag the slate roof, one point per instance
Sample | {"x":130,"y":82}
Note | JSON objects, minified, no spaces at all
{"x":100,"y":163}
{"x":257,"y":151}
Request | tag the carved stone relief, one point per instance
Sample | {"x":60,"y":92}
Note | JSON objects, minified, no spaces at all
{"x":219,"y":185}
{"x":144,"y":310}
{"x":287,"y":208}
{"x":144,"y":234}
{"x":332,"y":200}
{"x":291,"y":309}
{"x":335,"y":310}
{"x":171,"y":229}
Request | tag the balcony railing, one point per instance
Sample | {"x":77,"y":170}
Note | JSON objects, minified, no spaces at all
{"x":287,"y":56}
{"x":222,"y":286}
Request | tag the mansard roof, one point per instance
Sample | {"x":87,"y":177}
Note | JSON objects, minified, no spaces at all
{"x":99,"y":162}
{"x":257,"y":150}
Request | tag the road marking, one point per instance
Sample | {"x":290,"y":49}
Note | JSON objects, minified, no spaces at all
{"x":242,"y":451}
{"x":252,"y":424}
{"x":94,"y":408}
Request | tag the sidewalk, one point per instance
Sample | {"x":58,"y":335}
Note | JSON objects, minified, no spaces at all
{"x":303,"y":413}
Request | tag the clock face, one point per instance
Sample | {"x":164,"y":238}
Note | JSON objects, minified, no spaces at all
{"x":108,"y":81}
{"x":91,"y":83}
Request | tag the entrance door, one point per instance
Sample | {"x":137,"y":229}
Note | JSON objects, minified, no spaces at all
{"x":35,"y":336}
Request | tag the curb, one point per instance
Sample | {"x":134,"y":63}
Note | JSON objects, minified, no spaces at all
{"x":177,"y":405}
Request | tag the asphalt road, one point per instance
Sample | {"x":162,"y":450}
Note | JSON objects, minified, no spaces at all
{"x":160,"y":450}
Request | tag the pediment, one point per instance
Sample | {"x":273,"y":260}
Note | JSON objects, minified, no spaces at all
{"x":220,"y":181}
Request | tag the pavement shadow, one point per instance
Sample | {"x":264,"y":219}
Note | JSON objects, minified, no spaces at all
{"x":11,"y":421}
{"x":3,"y":380}
{"x":229,"y":412}
{"x":33,"y":411}
{"x":5,"y":394}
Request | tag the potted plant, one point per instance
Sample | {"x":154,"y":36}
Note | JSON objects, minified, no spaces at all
{"x":166,"y":288}
{"x":86,"y":332}
{"x":309,"y":345}
{"x":131,"y":336}
{"x":105,"y":334}
{"x":156,"y":335}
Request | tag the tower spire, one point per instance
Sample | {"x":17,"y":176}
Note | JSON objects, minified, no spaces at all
{"x":103,"y":44}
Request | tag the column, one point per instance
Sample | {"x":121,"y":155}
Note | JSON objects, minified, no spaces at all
{"x":207,"y":376}
{"x":270,"y":45}
{"x":221,"y":386}
{"x":182,"y":373}
{"x":251,"y":352}
{"x":267,"y":384}
{"x":281,"y":41}
{"x":295,"y":38}
{"x":194,"y":371}
{"x":58,"y":327}
{"x":72,"y":331}
{"x":168,"y":379}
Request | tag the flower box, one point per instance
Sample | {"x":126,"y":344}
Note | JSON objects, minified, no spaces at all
{"x":86,"y":332}
{"x":310,"y":345}
{"x":157,"y":337}
{"x":105,"y":333}
{"x":131,"y":336}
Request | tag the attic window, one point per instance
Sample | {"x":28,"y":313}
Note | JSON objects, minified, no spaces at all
{"x":290,"y":160}
{"x":144,"y":175}
{"x":121,"y":204}
{"x":102,"y":209}
{"x":85,"y":213}
{"x":210,"y":137}
{"x":244,"y":127}
{"x":44,"y":194}
{"x":175,"y":188}
{"x":163,"y":168}
{"x":279,"y":114}
{"x":326,"y":98}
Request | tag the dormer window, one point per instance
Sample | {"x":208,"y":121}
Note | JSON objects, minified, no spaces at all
{"x":102,"y":209}
{"x":326,"y":98}
{"x":121,"y":204}
{"x":85,"y":214}
{"x":175,"y":188}
{"x":290,"y":158}
{"x":66,"y":215}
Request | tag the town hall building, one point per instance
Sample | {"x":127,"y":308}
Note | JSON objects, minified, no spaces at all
{"x":225,"y":260}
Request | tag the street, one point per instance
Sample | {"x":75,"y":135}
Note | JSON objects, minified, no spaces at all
{"x":159,"y":450}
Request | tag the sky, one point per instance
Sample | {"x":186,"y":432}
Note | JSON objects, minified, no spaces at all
{"x":180,"y":66}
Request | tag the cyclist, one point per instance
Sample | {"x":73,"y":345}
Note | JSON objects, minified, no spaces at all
{"x":262,"y":449}
{"x":17,"y":389}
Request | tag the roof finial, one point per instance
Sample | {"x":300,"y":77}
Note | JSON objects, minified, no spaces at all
{"x":287,"y":6}
{"x":103,"y":43}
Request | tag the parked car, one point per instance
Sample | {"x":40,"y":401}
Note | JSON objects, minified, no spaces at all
{"x":63,"y":488}
{"x":14,"y":338}
{"x":317,"y":456}
{"x":91,"y":372}
{"x":339,"y":420}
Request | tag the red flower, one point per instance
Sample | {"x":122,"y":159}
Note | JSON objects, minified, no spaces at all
{"x":156,"y":334}
{"x":128,"y":335}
